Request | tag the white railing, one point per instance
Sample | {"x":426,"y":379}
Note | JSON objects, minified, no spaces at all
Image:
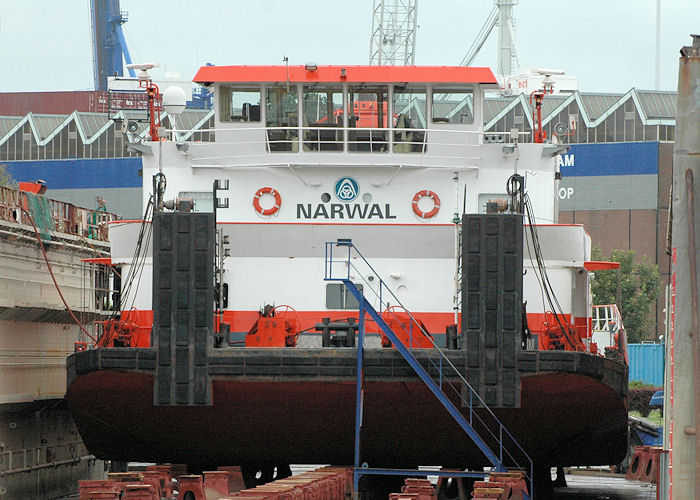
{"x":607,"y":330}
{"x":252,"y":146}
{"x":332,"y":138}
{"x":607,"y":318}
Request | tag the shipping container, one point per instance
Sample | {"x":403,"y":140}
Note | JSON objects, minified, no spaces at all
{"x":60,"y":103}
{"x":647,"y":363}
{"x":64,"y":103}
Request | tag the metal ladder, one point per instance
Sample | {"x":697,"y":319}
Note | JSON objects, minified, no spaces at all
{"x":349,"y":268}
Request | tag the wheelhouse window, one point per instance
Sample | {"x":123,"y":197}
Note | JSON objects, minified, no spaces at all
{"x":368,"y":110}
{"x":409,"y":114}
{"x":339,"y":297}
{"x":239,"y":104}
{"x":323,"y":118}
{"x":453,"y":105}
{"x":282,"y":117}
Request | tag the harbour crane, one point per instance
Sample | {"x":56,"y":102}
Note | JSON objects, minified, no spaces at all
{"x":108,"y":42}
{"x":394,"y":24}
{"x":393,"y":41}
{"x":502,"y":16}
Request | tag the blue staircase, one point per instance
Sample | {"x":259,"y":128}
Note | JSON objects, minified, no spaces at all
{"x":344,"y":263}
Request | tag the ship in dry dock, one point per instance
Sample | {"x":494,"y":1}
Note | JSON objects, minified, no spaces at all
{"x":333,"y":189}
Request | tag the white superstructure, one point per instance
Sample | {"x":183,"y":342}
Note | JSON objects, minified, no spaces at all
{"x":389,"y":157}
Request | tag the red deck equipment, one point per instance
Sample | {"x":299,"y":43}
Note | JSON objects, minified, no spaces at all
{"x":276,"y":327}
{"x":412,"y":333}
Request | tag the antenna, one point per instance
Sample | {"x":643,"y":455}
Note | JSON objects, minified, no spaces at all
{"x":152,"y":91}
{"x":657,"y":62}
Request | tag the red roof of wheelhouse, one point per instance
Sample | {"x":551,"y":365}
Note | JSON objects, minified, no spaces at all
{"x":345,"y":74}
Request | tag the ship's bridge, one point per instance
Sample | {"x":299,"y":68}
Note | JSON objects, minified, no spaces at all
{"x":428,"y":115}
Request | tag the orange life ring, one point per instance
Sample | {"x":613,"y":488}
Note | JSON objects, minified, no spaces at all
{"x":433,"y":196}
{"x":267,"y":211}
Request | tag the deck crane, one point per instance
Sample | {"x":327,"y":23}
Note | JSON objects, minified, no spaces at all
{"x":108,"y":43}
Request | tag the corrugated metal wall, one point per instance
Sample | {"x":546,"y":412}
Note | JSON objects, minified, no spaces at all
{"x":647,"y":363}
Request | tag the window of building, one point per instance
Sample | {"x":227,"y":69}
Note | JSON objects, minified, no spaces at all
{"x":409,"y":112}
{"x":367,"y":110}
{"x":638,"y":128}
{"x":239,"y":104}
{"x":322,"y":106}
{"x":651,"y":133}
{"x":453,"y":105}
{"x":339,"y":297}
{"x":591,"y":135}
{"x":619,"y":135}
{"x":282,"y":117}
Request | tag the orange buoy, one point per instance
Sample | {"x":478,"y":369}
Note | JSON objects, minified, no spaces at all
{"x":429,"y":194}
{"x":266,"y":211}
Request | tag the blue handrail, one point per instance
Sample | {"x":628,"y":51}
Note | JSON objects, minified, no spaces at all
{"x":497,"y":431}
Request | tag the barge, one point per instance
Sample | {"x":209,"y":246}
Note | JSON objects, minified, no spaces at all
{"x":237,"y":338}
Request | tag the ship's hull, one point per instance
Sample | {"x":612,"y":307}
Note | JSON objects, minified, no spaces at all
{"x":271,"y":408}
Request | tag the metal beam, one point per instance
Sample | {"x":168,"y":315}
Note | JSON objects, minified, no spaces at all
{"x":125,"y":50}
{"x":417,"y":473}
{"x":481,"y":38}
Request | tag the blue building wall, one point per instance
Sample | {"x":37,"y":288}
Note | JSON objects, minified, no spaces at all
{"x":79,"y":173}
{"x":647,"y":363}
{"x":81,"y":180}
{"x":615,"y":176}
{"x":618,"y":158}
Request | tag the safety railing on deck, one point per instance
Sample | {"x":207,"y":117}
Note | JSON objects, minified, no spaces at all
{"x":337,"y":138}
{"x":53,"y":215}
{"x":608,"y":331}
{"x":607,"y":318}
{"x":246,"y":144}
{"x":436,"y":370}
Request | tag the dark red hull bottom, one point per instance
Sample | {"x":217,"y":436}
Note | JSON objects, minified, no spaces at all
{"x":564,"y":419}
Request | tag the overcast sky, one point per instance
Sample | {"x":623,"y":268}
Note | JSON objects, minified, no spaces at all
{"x":608,"y":44}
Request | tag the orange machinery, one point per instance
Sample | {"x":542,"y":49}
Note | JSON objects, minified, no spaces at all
{"x":412,"y":333}
{"x":275,"y":327}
